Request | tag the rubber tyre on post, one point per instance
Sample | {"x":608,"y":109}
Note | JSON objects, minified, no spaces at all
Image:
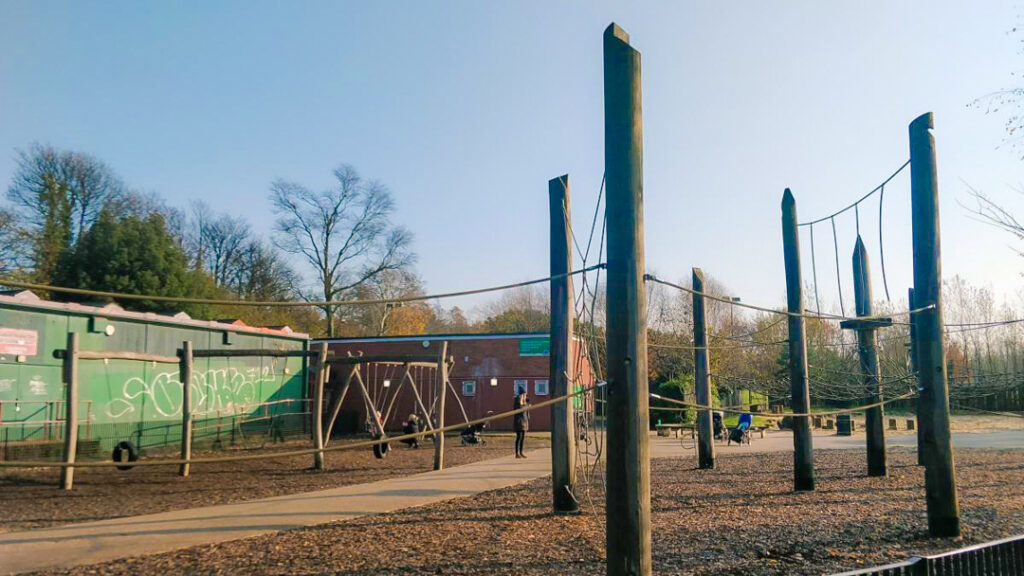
{"x":123,"y":448}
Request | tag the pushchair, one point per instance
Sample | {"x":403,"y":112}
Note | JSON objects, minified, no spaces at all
{"x":741,"y":433}
{"x":473,"y":434}
{"x":717,"y":425}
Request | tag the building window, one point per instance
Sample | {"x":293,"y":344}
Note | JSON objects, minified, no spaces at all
{"x":521,"y":386}
{"x":540,"y":387}
{"x":469,"y":388}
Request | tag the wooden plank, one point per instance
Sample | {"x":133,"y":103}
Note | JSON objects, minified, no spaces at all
{"x":121,"y":355}
{"x":628,"y":493}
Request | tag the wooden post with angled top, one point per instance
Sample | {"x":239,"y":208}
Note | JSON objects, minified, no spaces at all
{"x":803,"y":443}
{"x":185,"y":376}
{"x":940,"y":478}
{"x":628,"y":493}
{"x":318,"y":407}
{"x":563,"y":448}
{"x":702,"y":375}
{"x":67,"y":473}
{"x":442,"y":378}
{"x":867,"y":351}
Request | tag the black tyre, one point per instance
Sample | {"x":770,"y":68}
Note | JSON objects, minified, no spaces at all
{"x":125,"y":451}
{"x":380,"y":450}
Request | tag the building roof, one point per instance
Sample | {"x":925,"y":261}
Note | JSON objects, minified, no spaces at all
{"x":25,"y":299}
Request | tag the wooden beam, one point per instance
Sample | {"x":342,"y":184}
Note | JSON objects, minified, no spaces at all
{"x":628,"y":493}
{"x":67,"y":474}
{"x":394,"y":394}
{"x":318,"y":407}
{"x":185,"y":376}
{"x":867,"y":351}
{"x":563,"y":445}
{"x":336,"y":402}
{"x":702,"y":376}
{"x":940,"y":475}
{"x":387,"y":358}
{"x":256,"y":352}
{"x":371,"y":408}
{"x":442,"y":378}
{"x":800,"y":396}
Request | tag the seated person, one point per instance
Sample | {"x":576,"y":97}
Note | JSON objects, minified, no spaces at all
{"x":411,"y":426}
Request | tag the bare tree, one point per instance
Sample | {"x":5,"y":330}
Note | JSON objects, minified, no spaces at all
{"x":224,"y":238}
{"x":344,"y":233}
{"x":86,"y":182}
{"x":258,"y":271}
{"x":12,"y":243}
{"x":380,"y":319}
{"x":57,"y":194}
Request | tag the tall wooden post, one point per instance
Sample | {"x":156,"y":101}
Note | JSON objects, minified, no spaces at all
{"x":940,"y":479}
{"x":702,"y":375}
{"x":922,"y":423}
{"x":628,"y":491}
{"x":867,"y":350}
{"x":185,"y":376}
{"x":442,"y":378}
{"x":803,"y":442}
{"x":563,"y":458}
{"x":318,"y":406}
{"x":67,"y":474}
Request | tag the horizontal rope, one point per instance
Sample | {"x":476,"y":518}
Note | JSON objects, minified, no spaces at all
{"x":291,"y":453}
{"x":284,"y":303}
{"x":814,"y":316}
{"x":795,"y":414}
{"x":862,"y":198}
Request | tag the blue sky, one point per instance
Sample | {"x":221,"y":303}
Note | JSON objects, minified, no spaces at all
{"x":466,"y":109}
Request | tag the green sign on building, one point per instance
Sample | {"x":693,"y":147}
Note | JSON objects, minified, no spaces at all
{"x":536,"y":346}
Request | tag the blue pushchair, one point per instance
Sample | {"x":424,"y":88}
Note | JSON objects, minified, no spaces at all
{"x":741,"y":433}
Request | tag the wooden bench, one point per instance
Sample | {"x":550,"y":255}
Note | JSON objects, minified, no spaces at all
{"x":665,"y":429}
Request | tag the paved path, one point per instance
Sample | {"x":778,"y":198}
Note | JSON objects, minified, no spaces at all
{"x":92,"y":542}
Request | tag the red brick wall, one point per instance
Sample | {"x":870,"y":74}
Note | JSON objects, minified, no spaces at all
{"x":478,"y":359}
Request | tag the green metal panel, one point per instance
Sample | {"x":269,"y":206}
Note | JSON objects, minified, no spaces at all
{"x":141,"y":401}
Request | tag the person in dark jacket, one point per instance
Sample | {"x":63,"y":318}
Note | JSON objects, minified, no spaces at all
{"x":412,"y":426}
{"x":521,"y":422}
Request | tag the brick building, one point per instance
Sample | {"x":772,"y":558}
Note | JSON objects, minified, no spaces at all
{"x":487,"y":370}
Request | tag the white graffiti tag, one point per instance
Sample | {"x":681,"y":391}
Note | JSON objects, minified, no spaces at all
{"x":225,"y":390}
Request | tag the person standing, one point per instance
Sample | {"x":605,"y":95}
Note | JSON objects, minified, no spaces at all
{"x":521,"y":422}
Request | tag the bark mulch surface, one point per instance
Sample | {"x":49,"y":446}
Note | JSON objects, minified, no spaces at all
{"x":742,"y":518}
{"x":30,"y":498}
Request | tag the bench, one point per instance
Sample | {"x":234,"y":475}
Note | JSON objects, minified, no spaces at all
{"x":665,"y":429}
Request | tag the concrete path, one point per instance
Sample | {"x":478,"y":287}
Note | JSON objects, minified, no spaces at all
{"x":93,"y":542}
